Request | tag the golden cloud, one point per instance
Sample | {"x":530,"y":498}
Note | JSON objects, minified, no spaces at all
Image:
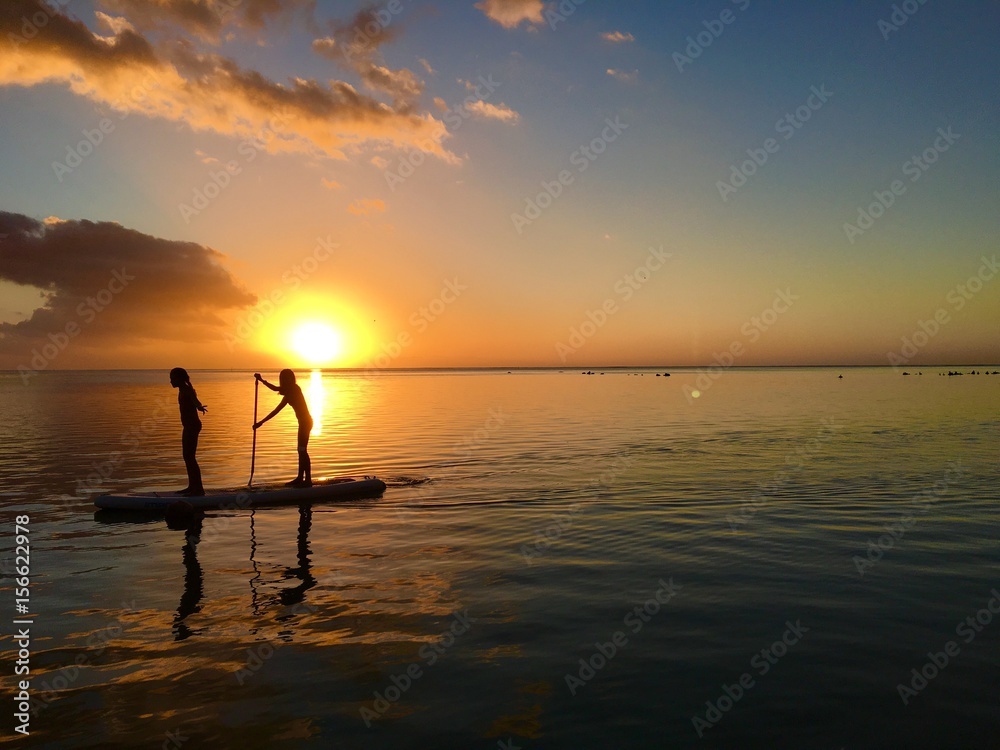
{"x":512,"y":13}
{"x":623,"y":75}
{"x":617,"y":37}
{"x":206,"y":92}
{"x":489,"y":111}
{"x":367,"y":206}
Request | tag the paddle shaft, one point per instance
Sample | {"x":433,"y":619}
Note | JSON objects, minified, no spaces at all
{"x":253,"y":450}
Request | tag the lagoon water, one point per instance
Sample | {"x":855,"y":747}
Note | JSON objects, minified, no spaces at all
{"x":560,"y":561}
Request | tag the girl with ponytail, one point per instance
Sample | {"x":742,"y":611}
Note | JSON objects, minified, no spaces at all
{"x":189,"y":404}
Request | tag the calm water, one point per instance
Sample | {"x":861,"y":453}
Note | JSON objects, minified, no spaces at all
{"x":531,"y":521}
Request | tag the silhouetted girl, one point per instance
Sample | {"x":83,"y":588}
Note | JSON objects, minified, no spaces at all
{"x":189,"y":404}
{"x":293,"y":396}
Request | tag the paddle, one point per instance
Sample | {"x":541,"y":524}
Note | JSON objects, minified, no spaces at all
{"x":253,"y":451}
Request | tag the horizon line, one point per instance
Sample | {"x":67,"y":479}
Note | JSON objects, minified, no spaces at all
{"x":511,"y":368}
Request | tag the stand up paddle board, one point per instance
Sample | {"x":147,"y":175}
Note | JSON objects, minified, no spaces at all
{"x":243,"y":497}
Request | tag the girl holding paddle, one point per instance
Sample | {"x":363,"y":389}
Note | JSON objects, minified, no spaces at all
{"x":189,"y":404}
{"x":293,"y":396}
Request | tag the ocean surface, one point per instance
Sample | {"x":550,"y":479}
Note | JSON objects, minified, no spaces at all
{"x":790,"y":560}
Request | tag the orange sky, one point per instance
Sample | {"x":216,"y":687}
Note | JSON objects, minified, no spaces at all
{"x":486,"y":185}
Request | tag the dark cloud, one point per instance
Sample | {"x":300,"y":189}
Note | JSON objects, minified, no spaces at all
{"x":356,"y":44}
{"x":205,"y":18}
{"x":208,"y":91}
{"x":119,"y":286}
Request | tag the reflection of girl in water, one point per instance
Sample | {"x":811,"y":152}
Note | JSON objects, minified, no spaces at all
{"x":189,"y":404}
{"x":193,"y":585}
{"x":293,"y":396}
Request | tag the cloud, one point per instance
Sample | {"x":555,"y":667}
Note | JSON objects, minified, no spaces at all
{"x":362,"y":35}
{"x":366,"y":207}
{"x":427,"y":66}
{"x":355,"y":46}
{"x":114,"y":24}
{"x":512,"y":13}
{"x":117,"y":286}
{"x":402,"y":84}
{"x":204,"y":19}
{"x":489,"y":111}
{"x":617,"y":37}
{"x":207,"y":92}
{"x":331,"y":184}
{"x":198,"y":17}
{"x":624,"y":76}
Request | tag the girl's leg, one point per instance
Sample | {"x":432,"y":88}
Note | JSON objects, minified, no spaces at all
{"x":305,"y":465}
{"x":189,"y":447}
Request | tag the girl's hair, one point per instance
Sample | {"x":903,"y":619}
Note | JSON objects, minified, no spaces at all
{"x":286,"y":379}
{"x":181,"y":375}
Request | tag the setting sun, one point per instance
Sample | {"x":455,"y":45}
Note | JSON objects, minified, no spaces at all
{"x":317,"y":343}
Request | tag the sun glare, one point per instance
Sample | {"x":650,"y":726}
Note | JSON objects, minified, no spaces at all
{"x":317,"y":343}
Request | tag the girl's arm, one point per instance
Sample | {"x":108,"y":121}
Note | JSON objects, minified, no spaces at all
{"x":272,"y":387}
{"x":279,"y":407}
{"x":190,"y":395}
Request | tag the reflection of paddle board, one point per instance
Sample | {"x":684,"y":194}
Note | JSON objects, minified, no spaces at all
{"x":242,"y":497}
